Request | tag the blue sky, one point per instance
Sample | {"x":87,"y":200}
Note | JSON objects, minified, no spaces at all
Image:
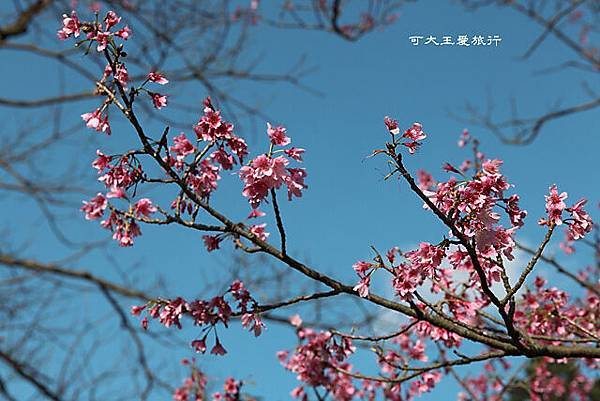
{"x":348,"y":206}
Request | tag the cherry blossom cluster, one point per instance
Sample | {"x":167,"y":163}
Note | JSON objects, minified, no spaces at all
{"x":410,"y":138}
{"x":321,"y":361}
{"x":473,"y":202}
{"x":577,"y":225}
{"x":261,"y":175}
{"x":118,"y":174}
{"x":495,"y":378}
{"x":194,"y":387}
{"x":268,"y":172}
{"x":102,"y":35}
{"x":550,"y":313}
{"x":96,"y":32}
{"x":202,"y":171}
{"x":207,"y":314}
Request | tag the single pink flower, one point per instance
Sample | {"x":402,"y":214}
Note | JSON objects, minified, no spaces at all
{"x":294,"y":153}
{"x":159,"y":101}
{"x":555,"y":205}
{"x":391,"y":125}
{"x":363,"y":287}
{"x":158,"y":78}
{"x":71,"y":26}
{"x":259,"y":231}
{"x":124,"y":33}
{"x":211,"y":242}
{"x":111,"y":19}
{"x":218,"y":349}
{"x":277,"y":135}
{"x":101,"y":162}
{"x":256,"y":213}
{"x":144,"y":207}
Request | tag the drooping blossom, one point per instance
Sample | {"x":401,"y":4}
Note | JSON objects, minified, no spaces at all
{"x":144,"y":207}
{"x":253,"y":322}
{"x":158,"y":101}
{"x":207,"y":314}
{"x":96,"y":121}
{"x":218,"y":348}
{"x":94,"y":208}
{"x":211,"y":242}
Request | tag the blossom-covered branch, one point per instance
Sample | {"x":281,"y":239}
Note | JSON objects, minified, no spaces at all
{"x":447,"y":290}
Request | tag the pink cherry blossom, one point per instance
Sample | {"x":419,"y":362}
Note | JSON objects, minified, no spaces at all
{"x":464,"y":139}
{"x":121,"y":75}
{"x":203,"y":180}
{"x":158,"y":78}
{"x":102,"y":162}
{"x":555,"y":205}
{"x":181,"y":147}
{"x":294,"y":153}
{"x":296,"y":320}
{"x":71,"y":26}
{"x":211,"y":242}
{"x":159,"y":101}
{"x":223,"y":158}
{"x":218,"y":349}
{"x":259,"y":231}
{"x":277,"y":135}
{"x":253,"y":323}
{"x":415,"y":133}
{"x":102,"y":39}
{"x":255,"y":213}
{"x":94,"y":208}
{"x":581,"y":221}
{"x":199,"y":345}
{"x":96,"y":121}
{"x":391,"y":125}
{"x":144,"y":207}
{"x":111,"y":20}
{"x":363,"y":287}
{"x":124,"y":33}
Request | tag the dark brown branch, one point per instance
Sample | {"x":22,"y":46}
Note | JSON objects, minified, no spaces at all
{"x":75,"y":97}
{"x":29,"y":375}
{"x":21,"y":24}
{"x":32,"y":265}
